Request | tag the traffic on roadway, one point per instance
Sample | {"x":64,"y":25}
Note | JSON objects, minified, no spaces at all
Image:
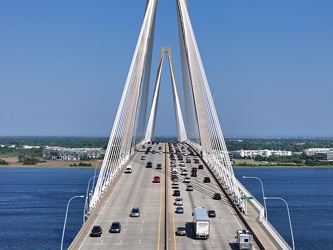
{"x":156,"y":205}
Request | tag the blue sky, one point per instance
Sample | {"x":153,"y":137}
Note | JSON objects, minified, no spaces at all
{"x":63,"y":64}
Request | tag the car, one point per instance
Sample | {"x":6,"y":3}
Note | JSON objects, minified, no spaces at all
{"x":193,"y":174}
{"x":175,"y":183}
{"x":206,"y":180}
{"x":196,"y":161}
{"x":143,"y":157}
{"x":96,"y":231}
{"x":181,"y":231}
{"x":128,"y":170}
{"x":194,"y":170}
{"x":211,"y":213}
{"x":149,"y":164}
{"x":200,"y":166}
{"x":179,"y":210}
{"x":135,"y":212}
{"x":115,"y":227}
{"x":159,"y":166}
{"x":183,"y":172}
{"x":217,"y":196}
{"x":187,"y":180}
{"x":157,"y":179}
{"x":179,"y":202}
{"x":176,"y":193}
{"x":189,"y":187}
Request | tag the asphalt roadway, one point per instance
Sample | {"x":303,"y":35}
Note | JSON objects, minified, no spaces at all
{"x":156,"y":226}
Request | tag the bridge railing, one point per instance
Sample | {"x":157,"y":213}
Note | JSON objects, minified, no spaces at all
{"x":254,"y":203}
{"x":270,"y":229}
{"x":219,"y":163}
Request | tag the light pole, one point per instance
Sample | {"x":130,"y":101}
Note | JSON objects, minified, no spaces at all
{"x":85,"y":203}
{"x":95,"y":172}
{"x":63,"y":230}
{"x":262,"y":189}
{"x":291,"y":229}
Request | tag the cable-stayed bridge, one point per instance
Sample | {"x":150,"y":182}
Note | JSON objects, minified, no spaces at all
{"x":199,"y":132}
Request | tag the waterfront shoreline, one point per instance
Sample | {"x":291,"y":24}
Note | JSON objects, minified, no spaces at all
{"x":13,"y":163}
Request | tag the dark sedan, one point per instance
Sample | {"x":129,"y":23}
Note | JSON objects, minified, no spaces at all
{"x":206,"y":180}
{"x":96,"y":231}
{"x":115,"y":227}
{"x":217,"y":196}
{"x":176,"y":193}
{"x":211,"y":213}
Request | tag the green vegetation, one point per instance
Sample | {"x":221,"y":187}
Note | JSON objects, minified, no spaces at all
{"x":81,"y":164}
{"x":30,"y":156}
{"x":84,"y":158}
{"x":15,"y":152}
{"x":3,"y":162}
{"x":67,"y":141}
{"x":298,"y":160}
{"x":281,"y":161}
{"x":28,"y":160}
{"x":288,"y":144}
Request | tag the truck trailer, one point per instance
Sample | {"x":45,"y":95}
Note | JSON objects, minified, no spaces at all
{"x":201,"y":223}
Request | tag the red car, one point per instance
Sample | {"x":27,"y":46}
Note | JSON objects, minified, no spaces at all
{"x":157,"y":179}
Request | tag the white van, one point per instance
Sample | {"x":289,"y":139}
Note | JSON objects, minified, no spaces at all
{"x":128,"y":170}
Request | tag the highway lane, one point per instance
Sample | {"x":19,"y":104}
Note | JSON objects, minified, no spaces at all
{"x":223,"y":226}
{"x":147,"y":231}
{"x":134,"y":190}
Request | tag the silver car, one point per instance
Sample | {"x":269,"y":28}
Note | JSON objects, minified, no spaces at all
{"x":179,"y":201}
{"x":189,"y":187}
{"x":135,"y":212}
{"x":187,"y":180}
{"x":181,"y":231}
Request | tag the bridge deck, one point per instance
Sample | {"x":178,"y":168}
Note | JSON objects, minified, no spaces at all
{"x":155,"y":228}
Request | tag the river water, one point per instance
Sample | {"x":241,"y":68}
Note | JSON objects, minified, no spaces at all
{"x":308,"y":193}
{"x":33,"y":204}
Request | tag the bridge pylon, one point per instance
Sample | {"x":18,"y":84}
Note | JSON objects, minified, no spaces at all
{"x":202,"y":128}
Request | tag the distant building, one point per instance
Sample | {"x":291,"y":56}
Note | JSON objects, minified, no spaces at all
{"x":29,"y":147}
{"x":297,"y":153}
{"x":71,"y":154}
{"x":231,"y":156}
{"x":313,"y":151}
{"x":265,"y":153}
{"x":324,"y":156}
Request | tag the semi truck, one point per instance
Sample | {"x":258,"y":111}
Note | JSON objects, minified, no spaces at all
{"x":201,"y":223}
